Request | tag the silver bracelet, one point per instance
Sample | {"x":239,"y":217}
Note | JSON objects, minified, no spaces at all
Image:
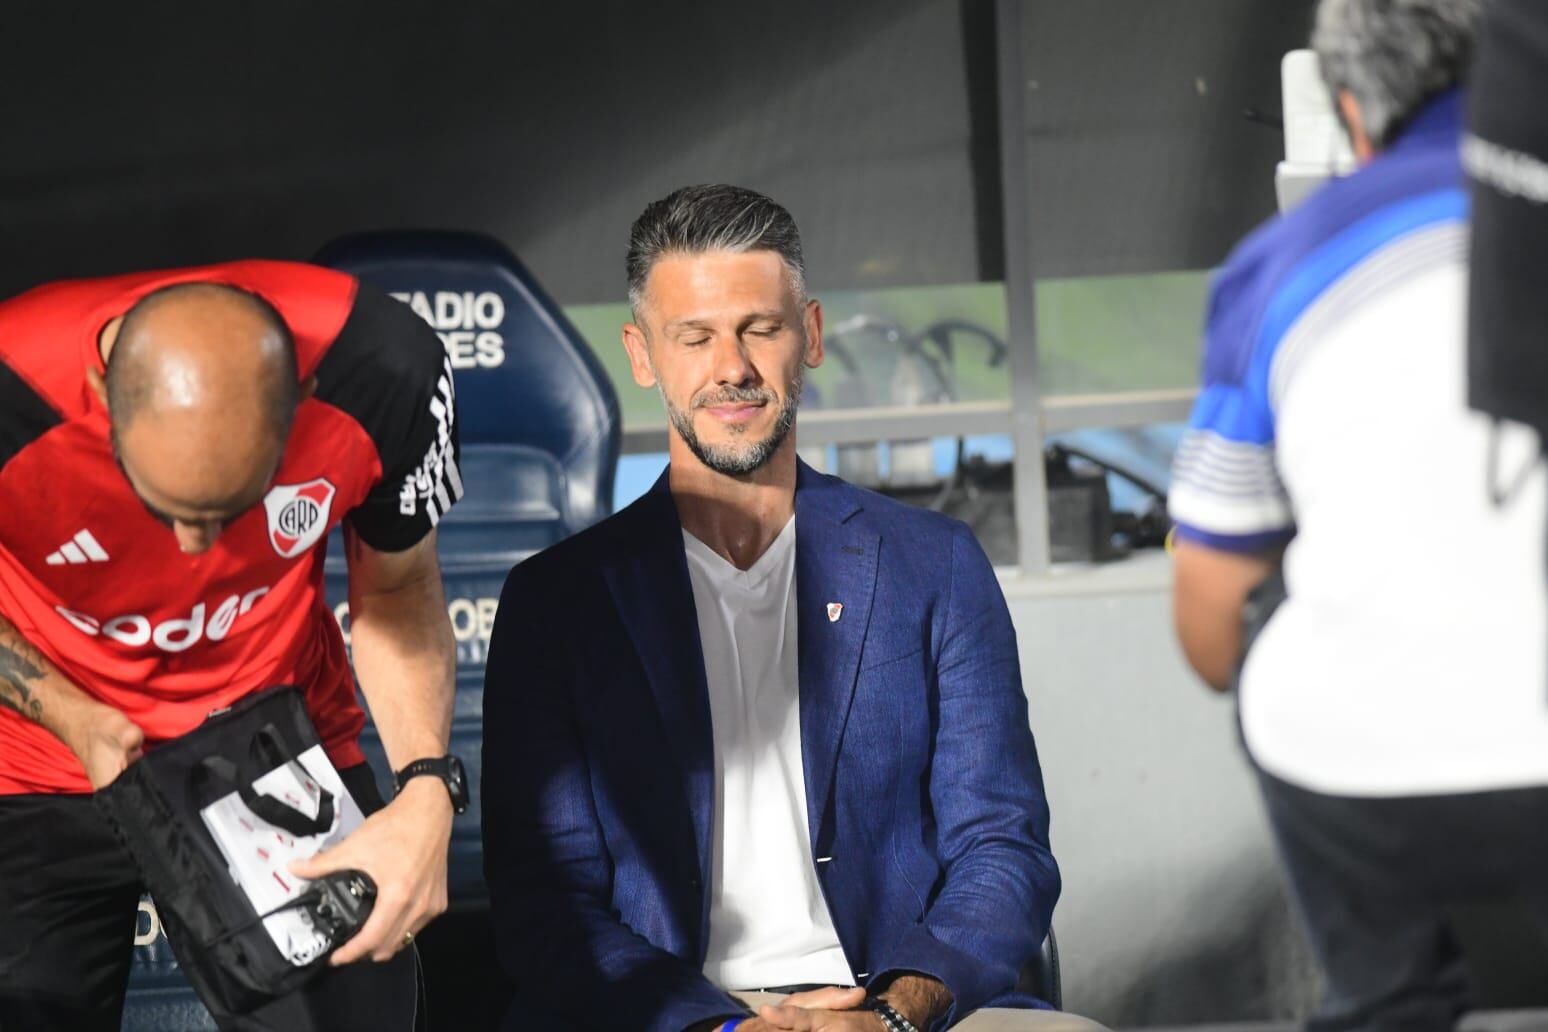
{"x":894,"y":1021}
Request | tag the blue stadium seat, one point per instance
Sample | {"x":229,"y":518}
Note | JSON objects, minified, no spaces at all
{"x":516,"y":508}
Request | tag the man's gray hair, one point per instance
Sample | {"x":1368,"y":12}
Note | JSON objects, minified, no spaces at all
{"x":1394,"y":55}
{"x":715,"y":217}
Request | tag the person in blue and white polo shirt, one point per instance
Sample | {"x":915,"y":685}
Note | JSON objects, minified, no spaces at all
{"x":1394,"y":703}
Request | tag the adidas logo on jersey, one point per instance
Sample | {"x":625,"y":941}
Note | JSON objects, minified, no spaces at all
{"x":82,"y":548}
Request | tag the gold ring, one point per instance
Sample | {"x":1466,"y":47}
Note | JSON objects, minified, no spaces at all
{"x":408,"y":938}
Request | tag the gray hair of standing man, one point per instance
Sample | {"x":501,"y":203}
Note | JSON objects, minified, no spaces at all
{"x":714,"y":217}
{"x":1394,"y":55}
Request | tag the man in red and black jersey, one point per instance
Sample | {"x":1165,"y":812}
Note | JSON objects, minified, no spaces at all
{"x":174,"y":449}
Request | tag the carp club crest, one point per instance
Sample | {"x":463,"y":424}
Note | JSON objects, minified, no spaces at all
{"x":298,"y":515}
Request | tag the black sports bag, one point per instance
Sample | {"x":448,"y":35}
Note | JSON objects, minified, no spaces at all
{"x":217,"y":934}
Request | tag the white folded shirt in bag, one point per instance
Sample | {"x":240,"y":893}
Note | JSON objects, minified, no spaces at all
{"x":258,"y":854}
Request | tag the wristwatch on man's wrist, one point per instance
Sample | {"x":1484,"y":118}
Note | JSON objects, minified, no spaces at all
{"x":448,"y":768}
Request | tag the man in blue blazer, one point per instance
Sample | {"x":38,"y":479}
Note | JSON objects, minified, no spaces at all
{"x":761,"y":731}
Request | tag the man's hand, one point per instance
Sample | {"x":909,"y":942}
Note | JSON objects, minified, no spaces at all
{"x":403,"y":848}
{"x":787,"y":1016}
{"x":105,"y":741}
{"x":829,"y":999}
{"x":830,"y":1008}
{"x":919,"y":998}
{"x":833,"y":998}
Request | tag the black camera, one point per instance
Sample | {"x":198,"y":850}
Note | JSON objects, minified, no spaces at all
{"x":339,"y":903}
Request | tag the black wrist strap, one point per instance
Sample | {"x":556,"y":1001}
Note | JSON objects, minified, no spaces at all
{"x":434,"y":766}
{"x":443,"y":769}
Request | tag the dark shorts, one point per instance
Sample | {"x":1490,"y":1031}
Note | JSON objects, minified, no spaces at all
{"x":1381,"y":884}
{"x":69,"y":896}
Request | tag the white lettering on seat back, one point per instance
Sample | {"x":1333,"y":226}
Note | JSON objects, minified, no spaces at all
{"x":153,"y":929}
{"x":472,"y":621}
{"x":176,"y":635}
{"x":470,"y":324}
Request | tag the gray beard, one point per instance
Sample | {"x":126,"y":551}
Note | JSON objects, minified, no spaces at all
{"x":731,"y":460}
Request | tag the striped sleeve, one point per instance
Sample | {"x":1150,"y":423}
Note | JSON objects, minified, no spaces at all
{"x":1226,"y":492}
{"x":389,"y":371}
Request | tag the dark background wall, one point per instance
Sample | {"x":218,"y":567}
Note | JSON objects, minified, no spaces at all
{"x":1141,"y":155}
{"x":152,"y":134}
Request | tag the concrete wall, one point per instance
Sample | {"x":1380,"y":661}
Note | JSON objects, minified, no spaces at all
{"x":1173,"y":910}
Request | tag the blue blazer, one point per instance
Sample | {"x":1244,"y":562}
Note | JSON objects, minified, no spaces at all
{"x":922,"y":781}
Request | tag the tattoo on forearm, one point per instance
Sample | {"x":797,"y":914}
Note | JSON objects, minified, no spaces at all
{"x":19,"y":667}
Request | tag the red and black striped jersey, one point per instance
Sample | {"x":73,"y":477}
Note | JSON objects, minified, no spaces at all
{"x":99,"y":585}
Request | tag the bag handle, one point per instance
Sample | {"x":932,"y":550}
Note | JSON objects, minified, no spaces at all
{"x":266,"y":754}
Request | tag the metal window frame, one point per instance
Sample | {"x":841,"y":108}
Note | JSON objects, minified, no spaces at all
{"x":1031,"y":486}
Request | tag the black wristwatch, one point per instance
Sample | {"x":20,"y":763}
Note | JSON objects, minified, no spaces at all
{"x":448,"y":768}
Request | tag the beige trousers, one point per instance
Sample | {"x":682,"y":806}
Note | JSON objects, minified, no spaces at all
{"x":996,"y":1020}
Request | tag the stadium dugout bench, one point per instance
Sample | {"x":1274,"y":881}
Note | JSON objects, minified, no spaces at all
{"x":539,"y":428}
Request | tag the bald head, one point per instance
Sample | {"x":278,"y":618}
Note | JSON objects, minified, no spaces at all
{"x":201,"y":388}
{"x":204,"y":345}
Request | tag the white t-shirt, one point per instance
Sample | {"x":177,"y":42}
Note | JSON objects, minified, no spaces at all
{"x":769,"y":923}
